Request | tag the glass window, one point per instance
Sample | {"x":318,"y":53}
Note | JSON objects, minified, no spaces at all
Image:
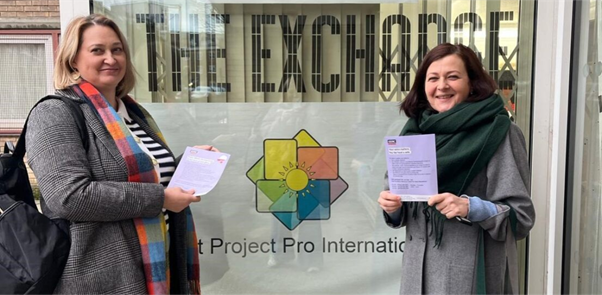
{"x":26,"y":76}
{"x":583,"y":239}
{"x":261,"y":80}
{"x":186,"y":51}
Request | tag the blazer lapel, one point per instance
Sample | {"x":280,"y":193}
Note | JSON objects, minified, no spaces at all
{"x":98,"y":127}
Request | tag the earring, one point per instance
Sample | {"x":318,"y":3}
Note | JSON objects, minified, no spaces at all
{"x":75,"y":75}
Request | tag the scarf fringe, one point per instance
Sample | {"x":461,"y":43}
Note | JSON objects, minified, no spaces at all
{"x":195,"y":287}
{"x":433,"y":216}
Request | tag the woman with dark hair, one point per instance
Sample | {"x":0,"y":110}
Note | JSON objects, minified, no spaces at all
{"x":483,"y":178}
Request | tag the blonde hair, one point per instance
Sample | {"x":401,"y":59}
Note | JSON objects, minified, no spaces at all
{"x":72,"y":41}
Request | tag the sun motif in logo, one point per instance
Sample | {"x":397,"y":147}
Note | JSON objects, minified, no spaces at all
{"x":297,"y":179}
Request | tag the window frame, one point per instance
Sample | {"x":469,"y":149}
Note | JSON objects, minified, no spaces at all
{"x":49,"y":38}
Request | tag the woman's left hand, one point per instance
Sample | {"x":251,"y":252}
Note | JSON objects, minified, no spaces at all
{"x":450,"y":205}
{"x":207,"y":148}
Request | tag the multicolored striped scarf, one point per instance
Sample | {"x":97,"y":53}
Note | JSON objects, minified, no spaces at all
{"x":152,"y":232}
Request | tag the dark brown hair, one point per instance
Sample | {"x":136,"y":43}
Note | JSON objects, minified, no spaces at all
{"x":482,"y":85}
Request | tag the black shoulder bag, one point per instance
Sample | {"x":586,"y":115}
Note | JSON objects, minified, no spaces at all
{"x":33,"y":247}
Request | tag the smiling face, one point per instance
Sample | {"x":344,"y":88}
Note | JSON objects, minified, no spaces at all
{"x":101,"y":59}
{"x":447,"y":83}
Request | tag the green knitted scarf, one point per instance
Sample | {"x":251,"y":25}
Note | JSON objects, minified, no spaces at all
{"x":466,"y":136}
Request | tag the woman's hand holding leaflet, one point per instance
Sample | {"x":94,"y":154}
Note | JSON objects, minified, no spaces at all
{"x":176,"y":199}
{"x":389,"y":202}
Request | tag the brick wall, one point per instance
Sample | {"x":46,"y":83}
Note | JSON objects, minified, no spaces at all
{"x":29,"y":8}
{"x":13,"y":138}
{"x":29,"y":14}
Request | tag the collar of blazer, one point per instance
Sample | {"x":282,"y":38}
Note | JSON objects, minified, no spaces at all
{"x":95,"y":124}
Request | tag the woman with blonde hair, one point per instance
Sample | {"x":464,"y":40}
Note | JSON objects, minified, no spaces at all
{"x":129,"y":233}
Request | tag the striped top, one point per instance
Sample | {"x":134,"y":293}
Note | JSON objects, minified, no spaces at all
{"x":166,"y":164}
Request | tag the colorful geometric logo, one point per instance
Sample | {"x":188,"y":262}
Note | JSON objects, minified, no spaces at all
{"x":297,"y":179}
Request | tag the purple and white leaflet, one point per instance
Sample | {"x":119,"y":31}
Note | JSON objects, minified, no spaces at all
{"x":412,"y":166}
{"x":199,"y":170}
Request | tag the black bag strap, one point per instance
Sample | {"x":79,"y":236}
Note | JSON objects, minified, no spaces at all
{"x":77,"y":114}
{"x":9,"y":147}
{"x":5,"y":202}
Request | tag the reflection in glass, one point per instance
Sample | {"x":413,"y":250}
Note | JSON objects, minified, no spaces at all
{"x":586,"y":150}
{"x":198,"y":52}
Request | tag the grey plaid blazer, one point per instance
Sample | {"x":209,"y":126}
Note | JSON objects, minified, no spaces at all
{"x":90,"y":189}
